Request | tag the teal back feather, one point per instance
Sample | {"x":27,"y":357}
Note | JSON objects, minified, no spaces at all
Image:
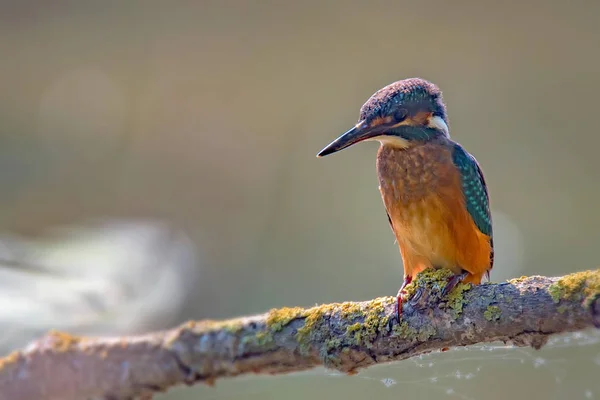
{"x":474,"y":189}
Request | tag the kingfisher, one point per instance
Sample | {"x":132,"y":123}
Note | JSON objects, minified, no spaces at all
{"x":433,"y":190}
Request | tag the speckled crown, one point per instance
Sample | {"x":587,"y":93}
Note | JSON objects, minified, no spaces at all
{"x":412,"y":94}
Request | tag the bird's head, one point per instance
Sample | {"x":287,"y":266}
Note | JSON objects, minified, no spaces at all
{"x":401,"y":114}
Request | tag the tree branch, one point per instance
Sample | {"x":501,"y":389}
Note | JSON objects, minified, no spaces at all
{"x":346,"y":336}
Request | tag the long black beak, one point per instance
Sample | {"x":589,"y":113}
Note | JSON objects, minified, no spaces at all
{"x":360,"y":132}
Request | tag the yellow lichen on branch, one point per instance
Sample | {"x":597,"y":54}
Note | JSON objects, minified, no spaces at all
{"x":345,"y":336}
{"x":584,"y":286}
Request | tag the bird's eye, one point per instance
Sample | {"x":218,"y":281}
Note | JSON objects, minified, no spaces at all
{"x":400,"y":115}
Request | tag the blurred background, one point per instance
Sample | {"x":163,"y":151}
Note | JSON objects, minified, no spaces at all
{"x":157,"y":164}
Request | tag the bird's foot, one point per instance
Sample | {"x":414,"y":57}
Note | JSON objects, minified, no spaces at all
{"x":452,"y":282}
{"x":400,"y":300}
{"x":401,"y":297}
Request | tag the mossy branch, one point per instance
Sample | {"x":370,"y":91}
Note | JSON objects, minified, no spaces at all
{"x":346,"y":336}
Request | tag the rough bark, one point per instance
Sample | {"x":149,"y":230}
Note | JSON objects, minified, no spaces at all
{"x":345,"y":336}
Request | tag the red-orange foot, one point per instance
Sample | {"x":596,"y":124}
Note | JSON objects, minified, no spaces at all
{"x":400,"y":297}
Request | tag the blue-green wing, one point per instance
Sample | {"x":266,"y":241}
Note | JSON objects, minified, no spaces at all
{"x":474,"y":189}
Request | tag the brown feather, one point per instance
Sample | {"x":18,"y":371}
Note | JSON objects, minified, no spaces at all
{"x":421,"y":190}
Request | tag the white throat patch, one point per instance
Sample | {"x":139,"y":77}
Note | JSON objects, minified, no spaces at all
{"x":438,"y":123}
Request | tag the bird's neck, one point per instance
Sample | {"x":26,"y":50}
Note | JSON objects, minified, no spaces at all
{"x":396,"y":141}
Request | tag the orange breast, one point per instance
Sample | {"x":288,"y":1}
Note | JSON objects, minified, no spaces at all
{"x":421,"y":190}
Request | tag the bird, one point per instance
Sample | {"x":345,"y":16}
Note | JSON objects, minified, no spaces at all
{"x":433,"y":190}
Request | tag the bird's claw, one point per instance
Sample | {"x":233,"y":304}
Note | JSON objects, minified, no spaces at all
{"x":401,"y":296}
{"x":417,"y":296}
{"x":452,"y":282}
